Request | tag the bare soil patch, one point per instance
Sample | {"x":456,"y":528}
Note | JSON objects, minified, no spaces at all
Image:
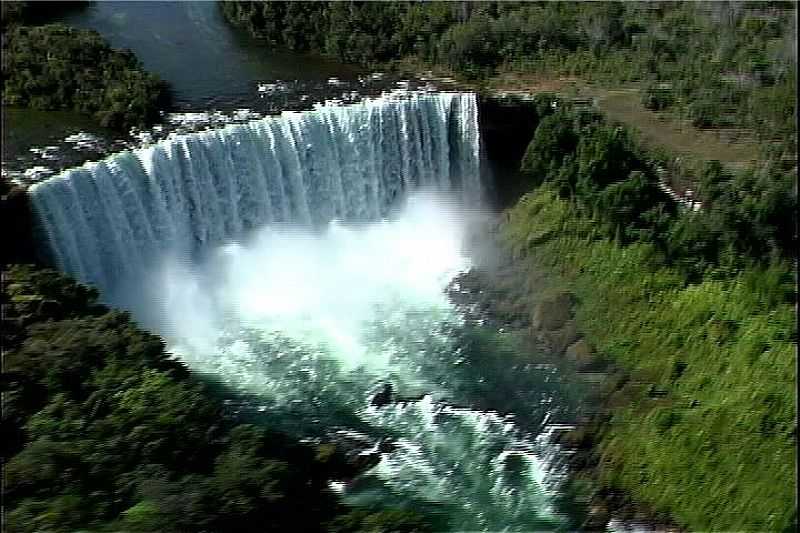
{"x":732,"y":148}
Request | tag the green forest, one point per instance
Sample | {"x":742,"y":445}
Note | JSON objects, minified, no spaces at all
{"x":53,"y":66}
{"x":697,"y":308}
{"x":721,"y":64}
{"x":747,"y":217}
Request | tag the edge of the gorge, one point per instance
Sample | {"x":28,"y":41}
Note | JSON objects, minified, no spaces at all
{"x":614,"y":316}
{"x":539,"y":306}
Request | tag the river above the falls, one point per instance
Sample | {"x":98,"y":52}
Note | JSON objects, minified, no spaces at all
{"x":208,"y":64}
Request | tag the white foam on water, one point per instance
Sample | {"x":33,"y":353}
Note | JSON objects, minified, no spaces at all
{"x":323,"y":289}
{"x":193,"y":192}
{"x":302,"y":259}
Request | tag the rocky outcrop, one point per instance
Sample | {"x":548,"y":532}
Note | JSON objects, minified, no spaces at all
{"x":553,"y":313}
{"x":557,"y":341}
{"x":18,"y":226}
{"x":580,"y":352}
{"x":491,"y":299}
{"x":383,"y":397}
{"x":356,"y":452}
{"x":387,"y":396}
{"x":506,"y":125}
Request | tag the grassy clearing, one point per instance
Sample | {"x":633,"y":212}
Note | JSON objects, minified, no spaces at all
{"x":660,"y":130}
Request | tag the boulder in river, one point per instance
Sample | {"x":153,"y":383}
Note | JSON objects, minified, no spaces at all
{"x":559,"y":340}
{"x":387,"y":395}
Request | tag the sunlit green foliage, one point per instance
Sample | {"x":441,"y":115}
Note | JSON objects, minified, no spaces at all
{"x":698,"y":307}
{"x":746,"y":216}
{"x":708,"y":430}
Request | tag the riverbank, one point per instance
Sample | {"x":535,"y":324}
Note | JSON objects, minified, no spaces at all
{"x":539,"y":307}
{"x":683,"y":373}
{"x":693,"y":390}
{"x":671,"y":432}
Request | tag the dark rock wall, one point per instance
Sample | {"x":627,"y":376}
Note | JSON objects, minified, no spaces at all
{"x":506,"y":127}
{"x":18,"y":244}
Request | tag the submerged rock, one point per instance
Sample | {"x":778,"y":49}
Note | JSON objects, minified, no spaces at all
{"x":387,"y":445}
{"x":387,"y":396}
{"x":384,"y":396}
{"x":355,"y":452}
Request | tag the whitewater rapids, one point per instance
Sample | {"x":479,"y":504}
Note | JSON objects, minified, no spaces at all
{"x":300,"y":262}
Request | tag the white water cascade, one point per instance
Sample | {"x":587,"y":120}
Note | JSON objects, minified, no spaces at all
{"x":300,"y":319}
{"x":110,"y":219}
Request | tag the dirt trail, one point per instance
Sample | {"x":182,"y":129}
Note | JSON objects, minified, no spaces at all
{"x":733,"y":148}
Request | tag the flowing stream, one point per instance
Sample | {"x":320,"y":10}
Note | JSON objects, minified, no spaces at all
{"x":301,"y":261}
{"x":207,"y":62}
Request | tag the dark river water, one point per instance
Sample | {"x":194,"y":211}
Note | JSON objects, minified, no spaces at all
{"x":208,"y":64}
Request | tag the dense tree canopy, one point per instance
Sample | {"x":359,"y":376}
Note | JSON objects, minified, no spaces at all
{"x":748,"y":216}
{"x":58,"y":67}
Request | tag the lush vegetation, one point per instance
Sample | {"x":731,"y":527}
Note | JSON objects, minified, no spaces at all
{"x":698,"y":308}
{"x":57,"y":67}
{"x":706,"y":428}
{"x":747,"y":216}
{"x":103,"y":431}
{"x":719,"y":64}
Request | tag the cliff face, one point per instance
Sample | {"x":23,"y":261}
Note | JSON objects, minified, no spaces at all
{"x":506,"y":128}
{"x":18,"y":245}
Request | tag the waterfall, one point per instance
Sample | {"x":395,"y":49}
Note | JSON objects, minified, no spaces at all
{"x":300,"y":318}
{"x":106,"y":220}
